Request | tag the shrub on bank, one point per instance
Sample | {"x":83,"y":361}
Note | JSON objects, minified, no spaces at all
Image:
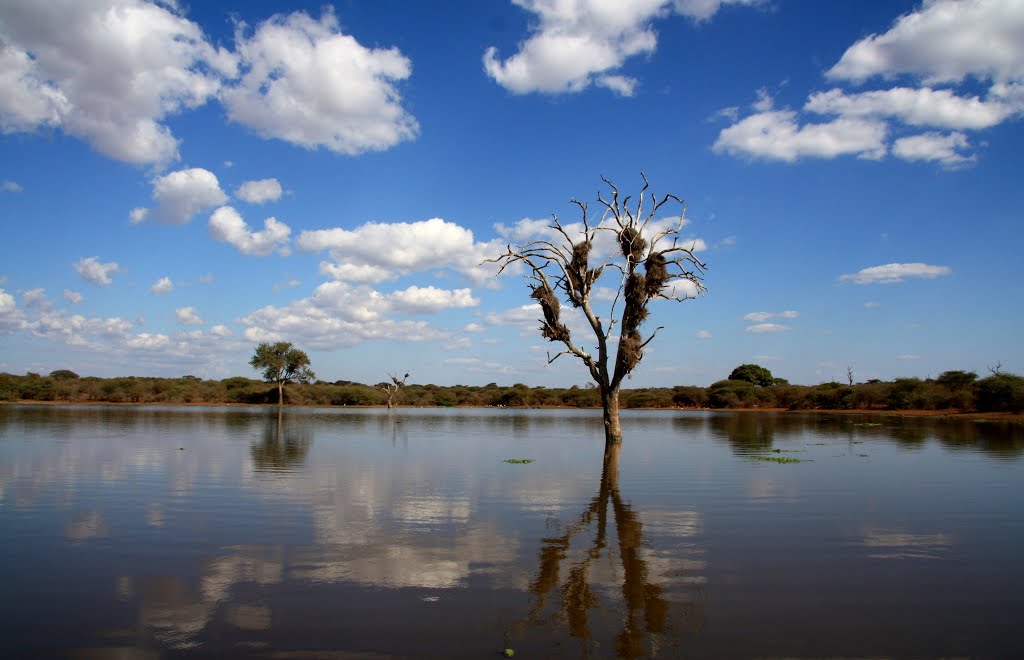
{"x":951,"y":390}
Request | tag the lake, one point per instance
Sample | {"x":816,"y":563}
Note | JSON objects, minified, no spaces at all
{"x":365,"y":533}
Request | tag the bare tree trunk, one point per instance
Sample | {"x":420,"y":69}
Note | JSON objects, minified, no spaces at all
{"x":612,"y":430}
{"x":610,"y":470}
{"x":280,"y":393}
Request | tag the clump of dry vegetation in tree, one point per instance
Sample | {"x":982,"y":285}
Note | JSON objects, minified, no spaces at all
{"x":652,"y":262}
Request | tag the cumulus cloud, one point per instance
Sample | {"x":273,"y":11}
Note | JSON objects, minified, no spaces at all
{"x":343,"y":314}
{"x":579,"y":43}
{"x":108,"y":71}
{"x":777,"y":135}
{"x":306,"y":322}
{"x":188,"y":316}
{"x":260,"y":191}
{"x":182,"y":194}
{"x":227,"y":226}
{"x":375,"y":252}
{"x":939,"y":147}
{"x":308,"y":83}
{"x":163,"y":286}
{"x":363,"y":273}
{"x":896,"y":273}
{"x":768,"y":327}
{"x":523,"y":315}
{"x":760,"y":317}
{"x":72,"y":297}
{"x":418,"y":300}
{"x":93,"y":270}
{"x":915,"y":106}
{"x":703,"y":334}
{"x":149,"y":341}
{"x":10,"y":316}
{"x":34,"y":298}
{"x":944,"y":41}
{"x":11,"y":186}
{"x":77,"y":330}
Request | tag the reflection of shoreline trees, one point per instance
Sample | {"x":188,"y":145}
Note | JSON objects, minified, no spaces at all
{"x":645,"y":617}
{"x":284,"y":445}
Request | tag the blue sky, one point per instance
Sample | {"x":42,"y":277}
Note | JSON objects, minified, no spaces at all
{"x":181,"y":181}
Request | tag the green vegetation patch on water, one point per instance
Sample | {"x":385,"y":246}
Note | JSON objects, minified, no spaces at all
{"x":518,"y":461}
{"x":776,"y":459}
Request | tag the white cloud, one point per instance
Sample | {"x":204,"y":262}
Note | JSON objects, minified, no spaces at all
{"x":163,"y":286}
{"x":945,"y":149}
{"x":364,"y":274}
{"x":72,"y":297}
{"x":188,"y":316}
{"x":473,"y":327}
{"x":418,"y":300}
{"x":523,"y":315}
{"x":260,"y":191}
{"x":917,"y":107}
{"x":703,"y":334}
{"x":287,"y":284}
{"x":577,"y":43}
{"x":106,"y":71}
{"x":322,"y":323}
{"x":307,"y":83}
{"x":871,"y":304}
{"x":77,"y":330}
{"x":227,"y":226}
{"x":768,"y":327}
{"x":776,"y":135}
{"x":759,"y":317}
{"x":896,"y":273}
{"x":11,"y":186}
{"x":138,"y":214}
{"x":148,"y":341}
{"x":96,"y":272}
{"x":220,"y":331}
{"x":11,"y":317}
{"x":944,"y":41}
{"x":621,"y":85}
{"x":703,"y":10}
{"x":374,"y":252}
{"x":908,"y":357}
{"x":182,"y":194}
{"x":35,"y":298}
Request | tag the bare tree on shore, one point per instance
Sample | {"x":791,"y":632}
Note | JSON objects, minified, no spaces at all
{"x":395,"y":385}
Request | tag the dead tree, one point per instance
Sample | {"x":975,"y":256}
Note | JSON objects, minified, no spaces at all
{"x":648,"y":263}
{"x":393,"y":387}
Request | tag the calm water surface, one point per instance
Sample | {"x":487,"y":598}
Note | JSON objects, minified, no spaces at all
{"x":153,"y":531}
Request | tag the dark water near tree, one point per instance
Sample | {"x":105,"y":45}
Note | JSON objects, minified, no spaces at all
{"x":362,"y":533}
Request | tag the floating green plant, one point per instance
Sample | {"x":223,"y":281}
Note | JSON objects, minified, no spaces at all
{"x":869,"y":424}
{"x":518,"y":461}
{"x":776,"y":459}
{"x":508,"y":653}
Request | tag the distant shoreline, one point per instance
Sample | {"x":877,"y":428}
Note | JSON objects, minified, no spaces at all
{"x":951,"y":414}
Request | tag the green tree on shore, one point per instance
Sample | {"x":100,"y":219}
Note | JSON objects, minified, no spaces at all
{"x":282,"y":363}
{"x":754,"y":374}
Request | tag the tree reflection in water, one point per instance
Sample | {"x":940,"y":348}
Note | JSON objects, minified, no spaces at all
{"x":646,"y":615}
{"x":284,"y":445}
